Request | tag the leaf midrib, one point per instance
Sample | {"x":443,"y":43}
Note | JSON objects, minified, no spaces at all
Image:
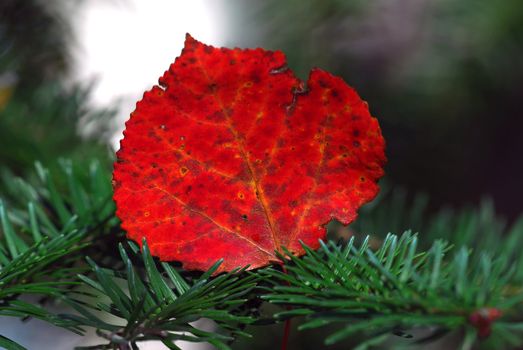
{"x":241,"y":148}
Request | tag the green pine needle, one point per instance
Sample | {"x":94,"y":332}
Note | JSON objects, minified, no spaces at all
{"x":394,"y":287}
{"x":161,"y":305}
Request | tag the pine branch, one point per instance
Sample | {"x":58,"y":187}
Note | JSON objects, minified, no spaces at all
{"x":396,"y":211}
{"x":8,"y":344}
{"x":397,"y":288}
{"x":161,"y":305}
{"x":478,"y":228}
{"x":43,"y":231}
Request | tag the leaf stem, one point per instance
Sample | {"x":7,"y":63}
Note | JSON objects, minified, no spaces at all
{"x":286,"y":332}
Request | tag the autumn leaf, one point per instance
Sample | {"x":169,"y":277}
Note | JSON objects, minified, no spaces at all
{"x":233,"y":157}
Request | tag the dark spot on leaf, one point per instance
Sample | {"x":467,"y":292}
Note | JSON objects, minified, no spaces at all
{"x":255,"y":78}
{"x":151,"y":134}
{"x":187,"y":250}
{"x":244,"y":217}
{"x":356,"y":144}
{"x":216,"y":116}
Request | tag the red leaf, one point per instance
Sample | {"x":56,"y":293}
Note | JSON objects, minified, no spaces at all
{"x":231,"y":157}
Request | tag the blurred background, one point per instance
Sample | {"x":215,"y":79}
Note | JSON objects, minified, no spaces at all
{"x":444,"y":78}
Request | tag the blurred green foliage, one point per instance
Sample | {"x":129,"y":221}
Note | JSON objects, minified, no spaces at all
{"x":41,"y":117}
{"x":443,"y":77}
{"x":34,"y":40}
{"x":47,"y":122}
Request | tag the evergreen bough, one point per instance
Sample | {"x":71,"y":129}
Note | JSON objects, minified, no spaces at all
{"x":393,"y":290}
